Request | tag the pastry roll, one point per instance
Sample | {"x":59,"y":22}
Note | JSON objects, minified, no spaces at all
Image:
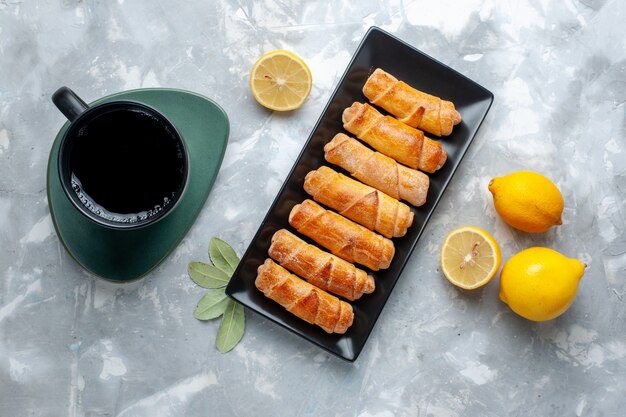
{"x":377,"y":170}
{"x":395,"y":139}
{"x":325,"y":271}
{"x":411,"y":106}
{"x":342,"y":237}
{"x":303,"y":299}
{"x":359,"y":202}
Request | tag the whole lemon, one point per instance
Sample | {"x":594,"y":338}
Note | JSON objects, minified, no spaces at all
{"x":539,"y":283}
{"x":527,"y":201}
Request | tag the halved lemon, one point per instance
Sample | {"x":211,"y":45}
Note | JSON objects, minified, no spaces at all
{"x":470,"y":257}
{"x":280,"y":80}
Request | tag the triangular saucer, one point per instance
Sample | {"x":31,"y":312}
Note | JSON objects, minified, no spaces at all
{"x":125,"y":255}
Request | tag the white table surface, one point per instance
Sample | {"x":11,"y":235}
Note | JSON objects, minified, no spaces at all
{"x":74,"y":345}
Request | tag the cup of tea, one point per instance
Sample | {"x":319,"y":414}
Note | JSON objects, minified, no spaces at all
{"x":122,"y":163}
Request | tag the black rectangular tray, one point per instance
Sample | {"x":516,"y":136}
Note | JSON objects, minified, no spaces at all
{"x":378,"y":49}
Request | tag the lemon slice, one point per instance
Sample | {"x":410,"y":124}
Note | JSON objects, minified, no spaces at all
{"x":469,"y":257}
{"x":280,"y":80}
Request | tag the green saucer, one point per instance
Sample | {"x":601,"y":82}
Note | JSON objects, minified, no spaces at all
{"x":125,"y":255}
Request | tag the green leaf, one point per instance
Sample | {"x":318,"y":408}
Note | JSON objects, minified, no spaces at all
{"x":212,"y":305}
{"x":223,"y":256}
{"x":231,"y":328}
{"x":207,"y":276}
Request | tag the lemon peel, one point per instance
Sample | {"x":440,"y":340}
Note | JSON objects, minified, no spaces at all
{"x":540,"y":283}
{"x":469,"y":257}
{"x":280,"y":80}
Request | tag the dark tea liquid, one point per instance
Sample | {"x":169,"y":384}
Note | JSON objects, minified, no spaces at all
{"x":127,"y":166}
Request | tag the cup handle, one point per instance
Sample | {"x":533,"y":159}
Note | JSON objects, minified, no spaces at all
{"x":69,"y":103}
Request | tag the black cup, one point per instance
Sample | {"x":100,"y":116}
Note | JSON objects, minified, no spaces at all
{"x":122,"y":164}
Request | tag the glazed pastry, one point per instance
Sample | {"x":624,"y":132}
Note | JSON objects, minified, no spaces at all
{"x":344,"y":238}
{"x":411,"y":106}
{"x":377,"y":170}
{"x":359,"y":202}
{"x":325,"y":271}
{"x":395,"y":139}
{"x":303,"y":299}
